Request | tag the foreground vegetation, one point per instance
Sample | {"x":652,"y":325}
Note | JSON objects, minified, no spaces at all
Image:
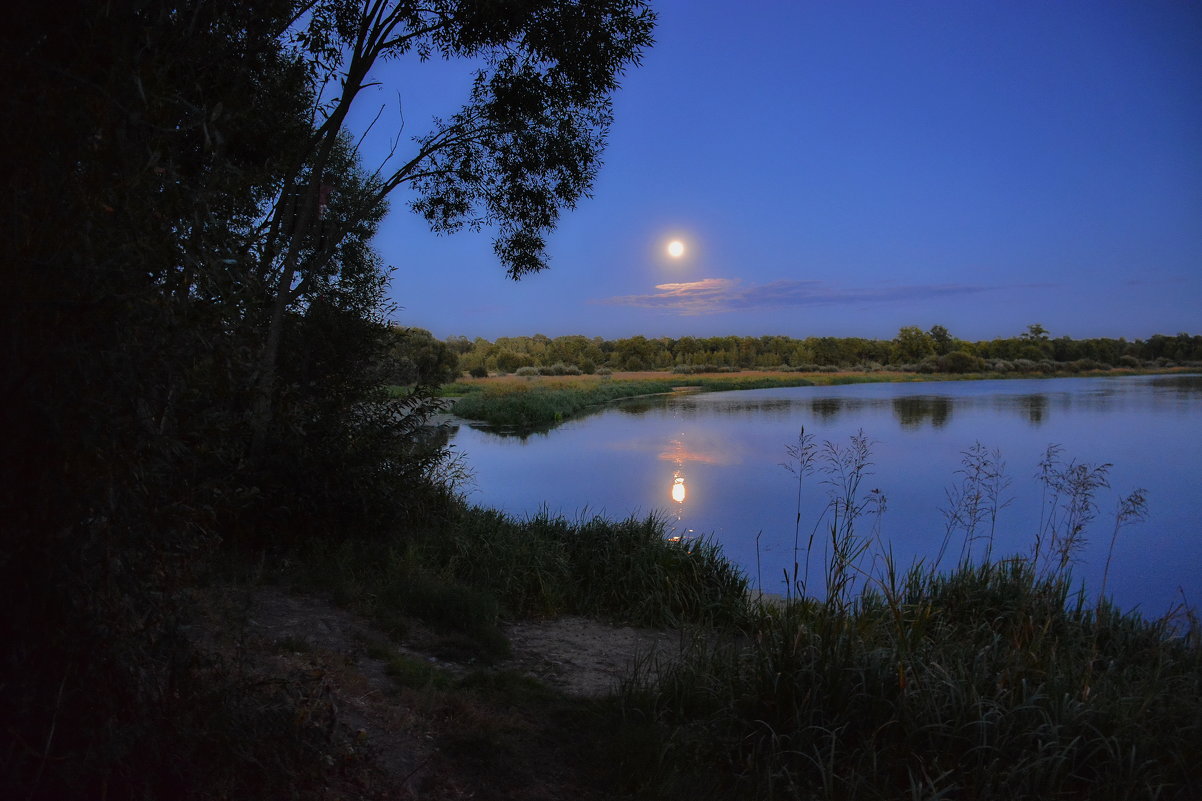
{"x":988,"y":682}
{"x":993,"y":679}
{"x":195,"y":343}
{"x":479,"y":565}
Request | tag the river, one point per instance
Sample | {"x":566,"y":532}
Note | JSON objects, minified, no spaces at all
{"x":711,"y":463}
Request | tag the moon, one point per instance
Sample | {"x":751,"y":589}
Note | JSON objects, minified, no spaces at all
{"x":676,"y":248}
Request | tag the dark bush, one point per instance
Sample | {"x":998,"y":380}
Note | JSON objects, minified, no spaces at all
{"x":959,"y":361}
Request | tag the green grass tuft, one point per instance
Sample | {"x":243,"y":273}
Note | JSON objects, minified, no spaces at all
{"x":985,"y":683}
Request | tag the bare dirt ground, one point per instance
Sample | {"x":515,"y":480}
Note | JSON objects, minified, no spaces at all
{"x":579,"y":656}
{"x":415,"y":741}
{"x":583,"y":657}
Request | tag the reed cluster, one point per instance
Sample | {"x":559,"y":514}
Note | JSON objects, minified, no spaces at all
{"x":478,"y":565}
{"x":988,"y":682}
{"x":994,"y":679}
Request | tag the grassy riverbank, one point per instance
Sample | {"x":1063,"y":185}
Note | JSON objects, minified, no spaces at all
{"x":476,"y":565}
{"x":988,"y":682}
{"x":994,"y":680}
{"x":544,"y":401}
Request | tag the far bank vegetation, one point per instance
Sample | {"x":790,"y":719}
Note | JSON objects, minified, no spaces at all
{"x":914,"y":350}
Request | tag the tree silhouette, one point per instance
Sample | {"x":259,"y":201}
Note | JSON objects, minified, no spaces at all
{"x":194,"y":314}
{"x":525,"y":144}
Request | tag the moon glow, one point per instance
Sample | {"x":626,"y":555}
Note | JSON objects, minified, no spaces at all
{"x":676,"y":248}
{"x":678,"y":490}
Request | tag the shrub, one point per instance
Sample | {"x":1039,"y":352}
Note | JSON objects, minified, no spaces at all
{"x":559,"y":368}
{"x":1090,"y":364}
{"x":928,"y":365}
{"x":1083,"y":365}
{"x":526,"y":372}
{"x":508,"y":361}
{"x":959,"y":361}
{"x":479,"y":371}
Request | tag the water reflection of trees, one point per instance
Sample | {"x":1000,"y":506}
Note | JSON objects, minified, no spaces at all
{"x":826,"y":409}
{"x":1035,"y":407}
{"x":1180,"y":384}
{"x":513,"y":432}
{"x":778,"y":408}
{"x":912,"y":411}
{"x":438,"y":435}
{"x":640,"y":406}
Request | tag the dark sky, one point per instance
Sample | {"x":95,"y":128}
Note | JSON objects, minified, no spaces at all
{"x":848,"y":168}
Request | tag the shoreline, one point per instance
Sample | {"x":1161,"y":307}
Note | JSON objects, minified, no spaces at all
{"x":531,"y":403}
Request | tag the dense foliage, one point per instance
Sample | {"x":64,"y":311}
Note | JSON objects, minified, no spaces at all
{"x":194,"y":341}
{"x":627,"y":571}
{"x":923,"y":351}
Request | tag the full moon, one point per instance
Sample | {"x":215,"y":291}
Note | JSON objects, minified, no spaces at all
{"x":676,"y":248}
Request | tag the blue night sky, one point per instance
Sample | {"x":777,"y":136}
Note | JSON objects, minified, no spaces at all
{"x":847,"y":168}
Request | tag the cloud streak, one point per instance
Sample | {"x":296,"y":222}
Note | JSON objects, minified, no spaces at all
{"x":717,"y":295}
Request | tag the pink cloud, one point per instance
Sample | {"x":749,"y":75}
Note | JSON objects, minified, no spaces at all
{"x":706,"y":296}
{"x":715,"y":295}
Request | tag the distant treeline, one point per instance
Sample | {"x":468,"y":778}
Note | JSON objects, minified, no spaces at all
{"x":913,"y":349}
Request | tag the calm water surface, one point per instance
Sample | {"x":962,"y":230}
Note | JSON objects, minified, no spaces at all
{"x":711,"y":464}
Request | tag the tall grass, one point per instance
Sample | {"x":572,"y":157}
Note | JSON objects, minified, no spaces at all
{"x":625,"y":570}
{"x":994,"y":679}
{"x":975,"y":501}
{"x":479,"y":564}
